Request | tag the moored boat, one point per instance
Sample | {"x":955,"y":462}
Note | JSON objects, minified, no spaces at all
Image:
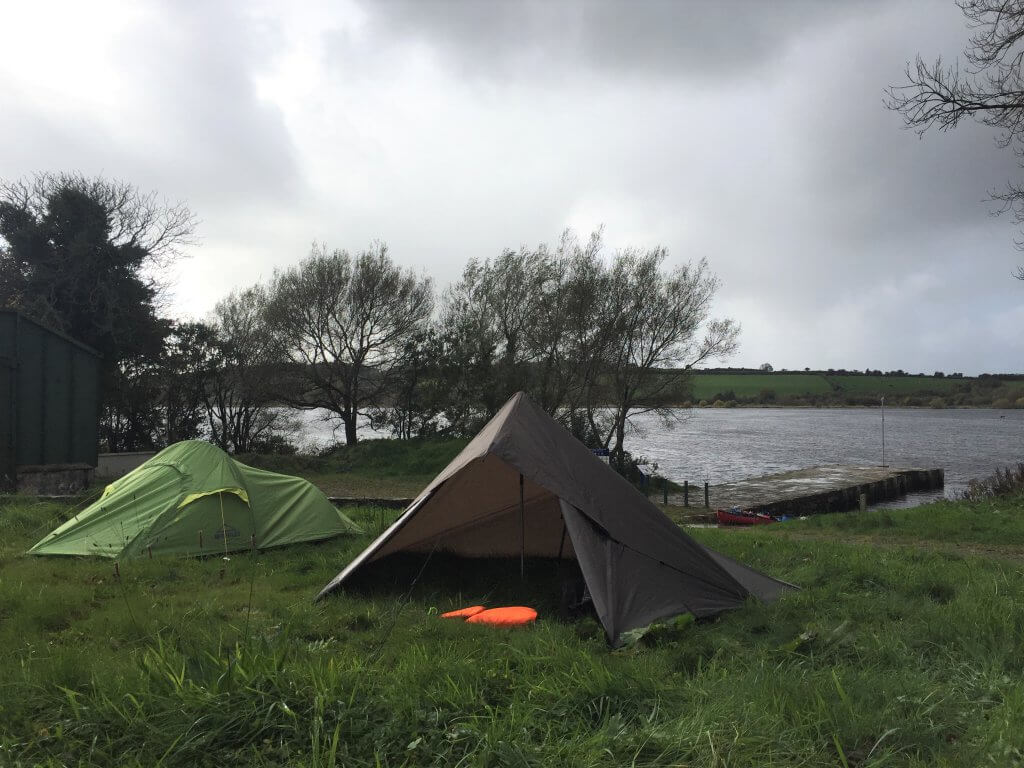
{"x":737,"y":516}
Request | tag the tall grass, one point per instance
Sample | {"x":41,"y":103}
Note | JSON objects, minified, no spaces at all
{"x":388,"y":458}
{"x":887,"y":657}
{"x":996,"y":521}
{"x":1005,"y":481}
{"x":372,"y":468}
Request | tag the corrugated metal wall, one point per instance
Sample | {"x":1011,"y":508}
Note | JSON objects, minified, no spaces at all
{"x":8,"y":354}
{"x":49,"y":389}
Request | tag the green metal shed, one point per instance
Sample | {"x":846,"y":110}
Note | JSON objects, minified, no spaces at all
{"x":49,"y":401}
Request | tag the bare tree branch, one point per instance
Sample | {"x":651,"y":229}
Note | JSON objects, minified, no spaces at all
{"x":343,"y":322}
{"x":990,"y":89}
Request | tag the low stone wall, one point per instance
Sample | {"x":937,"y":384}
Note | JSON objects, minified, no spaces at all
{"x":845,"y":499}
{"x":111,"y":466}
{"x":54,"y":479}
{"x":830,"y":488}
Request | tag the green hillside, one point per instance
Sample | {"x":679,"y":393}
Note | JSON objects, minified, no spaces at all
{"x":898,"y":385}
{"x":708,"y":386}
{"x":741,"y":387}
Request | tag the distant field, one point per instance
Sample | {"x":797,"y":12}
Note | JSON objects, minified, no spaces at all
{"x":372,"y":468}
{"x":899,"y":385}
{"x":707,"y":385}
{"x":822,"y":388}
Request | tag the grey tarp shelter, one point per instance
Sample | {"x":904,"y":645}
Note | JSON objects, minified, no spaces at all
{"x":525,"y":487}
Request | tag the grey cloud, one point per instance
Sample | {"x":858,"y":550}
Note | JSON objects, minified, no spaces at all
{"x":187,"y":119}
{"x":752,"y":133}
{"x":647,"y":38}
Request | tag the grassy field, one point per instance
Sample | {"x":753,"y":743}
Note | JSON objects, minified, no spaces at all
{"x":904,"y":648}
{"x":370,"y":469}
{"x":896,"y":385}
{"x":793,"y":388}
{"x":707,"y":386}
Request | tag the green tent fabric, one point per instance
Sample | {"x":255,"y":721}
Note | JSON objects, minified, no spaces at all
{"x":194,"y":499}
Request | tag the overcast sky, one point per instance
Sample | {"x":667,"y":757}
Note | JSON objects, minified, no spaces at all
{"x":749,"y":133}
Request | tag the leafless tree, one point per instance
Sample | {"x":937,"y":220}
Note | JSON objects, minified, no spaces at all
{"x":501,"y":310}
{"x":343,"y":324}
{"x":140,"y":220}
{"x":989,"y":88}
{"x":575,"y":335}
{"x":595,"y":342}
{"x":660,"y":328}
{"x":239,"y":395}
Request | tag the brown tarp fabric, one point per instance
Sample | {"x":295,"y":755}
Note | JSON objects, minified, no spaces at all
{"x":639,"y":566}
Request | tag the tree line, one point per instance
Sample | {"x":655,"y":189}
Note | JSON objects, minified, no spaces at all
{"x":595,"y":338}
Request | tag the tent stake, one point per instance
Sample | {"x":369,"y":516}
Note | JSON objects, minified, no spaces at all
{"x":522,"y":532}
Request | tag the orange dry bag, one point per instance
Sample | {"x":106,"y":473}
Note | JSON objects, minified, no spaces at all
{"x":511,"y":616}
{"x":463,"y":613}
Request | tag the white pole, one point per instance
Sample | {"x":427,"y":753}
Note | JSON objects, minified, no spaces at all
{"x":883,"y":430}
{"x":522,"y":532}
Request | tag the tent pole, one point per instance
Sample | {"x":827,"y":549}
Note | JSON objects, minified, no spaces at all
{"x":522,"y":531}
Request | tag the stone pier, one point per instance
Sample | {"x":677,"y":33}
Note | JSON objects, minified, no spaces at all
{"x":814,"y":490}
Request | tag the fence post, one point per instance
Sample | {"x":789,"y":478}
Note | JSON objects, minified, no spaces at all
{"x":664,"y":488}
{"x":707,"y":496}
{"x":686,"y":493}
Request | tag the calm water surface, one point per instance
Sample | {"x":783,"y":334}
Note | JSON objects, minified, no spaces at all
{"x":725,"y":444}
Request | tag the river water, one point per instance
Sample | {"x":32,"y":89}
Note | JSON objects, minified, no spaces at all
{"x":720,"y":445}
{"x":726,"y":444}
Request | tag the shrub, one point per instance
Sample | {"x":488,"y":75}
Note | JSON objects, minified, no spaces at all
{"x":1005,"y":482}
{"x":274,"y":443}
{"x":1002,"y":402}
{"x":937,"y":402}
{"x":638,"y":470}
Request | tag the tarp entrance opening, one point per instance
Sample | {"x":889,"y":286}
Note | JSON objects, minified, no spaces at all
{"x":450,"y":581}
{"x":477,"y":514}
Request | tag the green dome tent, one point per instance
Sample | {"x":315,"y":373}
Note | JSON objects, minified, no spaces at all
{"x":194,"y":499}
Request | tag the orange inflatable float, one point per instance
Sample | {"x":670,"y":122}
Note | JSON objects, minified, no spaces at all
{"x":511,"y":616}
{"x":463,"y":613}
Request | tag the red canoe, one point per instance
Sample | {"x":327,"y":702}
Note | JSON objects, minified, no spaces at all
{"x":739,"y":517}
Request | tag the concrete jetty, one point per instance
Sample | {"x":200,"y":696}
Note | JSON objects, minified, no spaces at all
{"x":809,"y":491}
{"x":814,"y":490}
